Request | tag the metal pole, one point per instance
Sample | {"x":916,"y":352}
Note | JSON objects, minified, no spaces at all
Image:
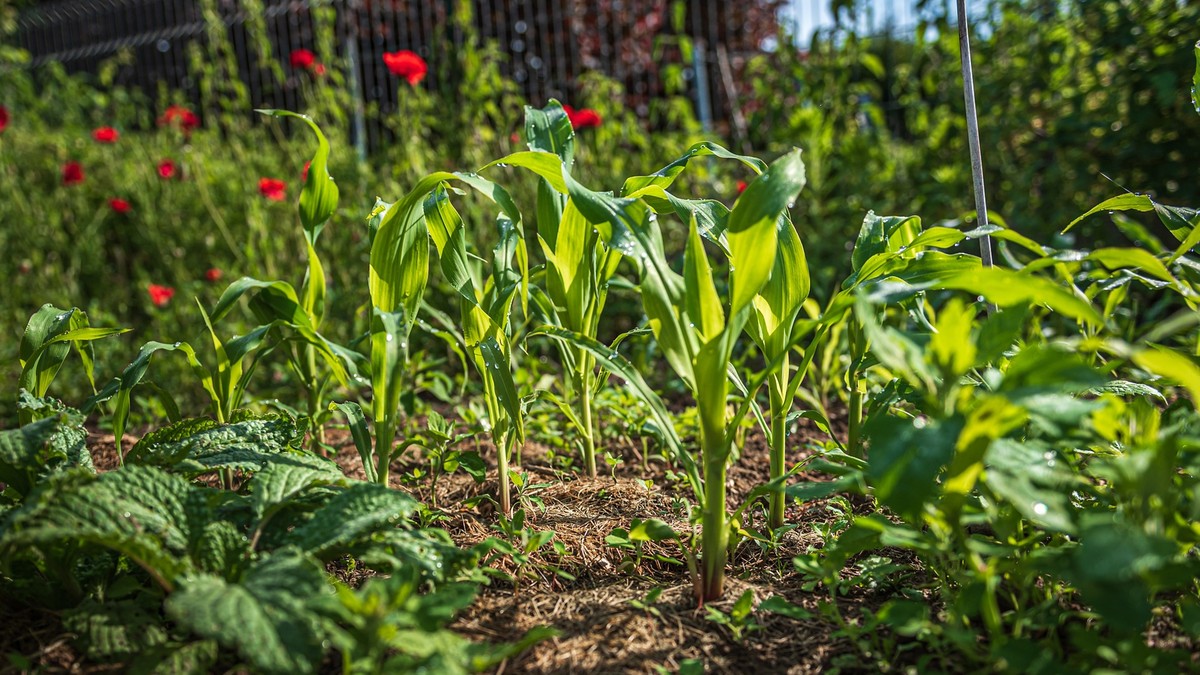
{"x":964,"y":48}
{"x":703,"y":96}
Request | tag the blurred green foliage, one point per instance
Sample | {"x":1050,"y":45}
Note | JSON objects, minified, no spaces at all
{"x":1068,"y":93}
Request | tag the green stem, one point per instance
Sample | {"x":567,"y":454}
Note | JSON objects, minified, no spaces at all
{"x":316,"y":433}
{"x":715,"y":536}
{"x":502,"y":450}
{"x":585,"y":416}
{"x":500,"y":440}
{"x":854,"y":423}
{"x":385,"y":435}
{"x":779,"y":412}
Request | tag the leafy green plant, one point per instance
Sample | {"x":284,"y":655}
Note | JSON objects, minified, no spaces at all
{"x":579,"y":267}
{"x":47,"y":341}
{"x":438,"y":442}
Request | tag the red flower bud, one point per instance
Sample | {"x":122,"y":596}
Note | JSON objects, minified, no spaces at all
{"x":406,"y":64}
{"x":273,"y":189}
{"x":160,"y":295}
{"x":106,"y":135}
{"x":167,"y":169}
{"x":72,"y":173}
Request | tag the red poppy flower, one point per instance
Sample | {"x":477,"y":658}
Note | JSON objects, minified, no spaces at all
{"x":213,"y":275}
{"x":119,"y":205}
{"x":304,"y":173}
{"x":319,"y":70}
{"x":160,"y":295}
{"x":72,"y":173}
{"x":106,"y":135}
{"x":741,"y":186}
{"x":167,"y":169}
{"x":273,"y":189}
{"x":302,"y":59}
{"x":177,"y":114}
{"x":583,"y":119}
{"x":515,"y":137}
{"x":406,"y":64}
{"x":3,"y":118}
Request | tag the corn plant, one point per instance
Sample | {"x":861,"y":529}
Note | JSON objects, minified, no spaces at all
{"x":579,"y":266}
{"x":399,"y":274}
{"x":49,"y":337}
{"x":298,"y":315}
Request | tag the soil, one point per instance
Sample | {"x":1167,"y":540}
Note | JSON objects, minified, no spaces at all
{"x":585,"y":591}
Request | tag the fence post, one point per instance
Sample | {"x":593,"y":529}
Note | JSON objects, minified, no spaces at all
{"x":964,"y":48}
{"x":703,"y":95}
{"x":355,"y":72}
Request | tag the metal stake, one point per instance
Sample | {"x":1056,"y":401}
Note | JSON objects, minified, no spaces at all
{"x":964,"y":48}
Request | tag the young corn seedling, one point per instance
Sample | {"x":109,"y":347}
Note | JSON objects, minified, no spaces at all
{"x":300,"y":315}
{"x":399,"y":275}
{"x":696,"y":330}
{"x":579,"y":266}
{"x":689,"y":320}
{"x":49,"y":336}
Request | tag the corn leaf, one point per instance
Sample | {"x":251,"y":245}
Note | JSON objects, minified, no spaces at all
{"x":700,"y":292}
{"x":664,"y":177}
{"x":549,"y":130}
{"x":752,"y":234}
{"x":319,"y":198}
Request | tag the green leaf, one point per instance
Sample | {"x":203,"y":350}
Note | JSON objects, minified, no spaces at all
{"x":999,"y":332}
{"x":780,"y":605}
{"x":277,"y":301}
{"x":353,"y":513}
{"x":1047,"y":369}
{"x":883,"y":234}
{"x":779,"y":302}
{"x":499,"y":371}
{"x":268,"y":617}
{"x":399,"y":268}
{"x":1139,"y":259}
{"x":664,"y":177}
{"x":1110,"y":569}
{"x":1031,"y":478}
{"x":319,"y":198}
{"x":201,"y":445}
{"x":753,"y":238}
{"x":906,"y":459}
{"x":545,"y":164}
{"x":49,"y":335}
{"x":700,"y":292}
{"x":279,"y":483}
{"x":550,"y":130}
{"x":1006,"y":288}
{"x":951,"y":348}
{"x":1196,"y":80}
{"x":193,"y":658}
{"x":651,"y":529}
{"x":361,"y":434}
{"x":1173,"y":366}
{"x":43,"y":446}
{"x":1125,"y":202}
{"x":138,"y":511}
{"x":122,"y":386}
{"x":117,"y":629}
